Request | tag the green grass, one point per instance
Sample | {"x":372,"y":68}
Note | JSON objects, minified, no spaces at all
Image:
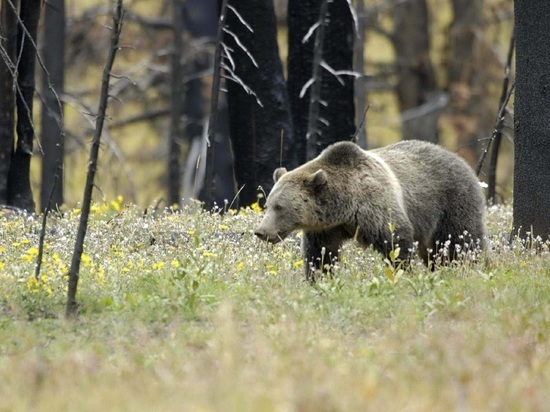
{"x":188,"y":311}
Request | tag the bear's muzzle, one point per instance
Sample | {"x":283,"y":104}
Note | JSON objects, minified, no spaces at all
{"x":272,"y":238}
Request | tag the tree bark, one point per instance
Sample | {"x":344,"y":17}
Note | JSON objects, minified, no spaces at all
{"x":201,"y":23}
{"x":8,"y":40}
{"x":53,"y":134}
{"x":256,"y":121}
{"x":336,"y":114}
{"x":19,"y":185}
{"x":71,"y":309}
{"x":175,"y":137}
{"x":419,"y":101}
{"x":465,"y":83}
{"x":532,"y":111}
{"x":359,"y":67}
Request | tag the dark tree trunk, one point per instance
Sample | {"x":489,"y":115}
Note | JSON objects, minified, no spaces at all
{"x":465,"y":82}
{"x":175,"y":138}
{"x":53,"y":52}
{"x":360,"y":82}
{"x":532,"y":111}
{"x":19,"y":193}
{"x":72,"y":305}
{"x":336,"y":118}
{"x":419,"y":101}
{"x":201,"y":22}
{"x":8,"y":40}
{"x":256,"y":129}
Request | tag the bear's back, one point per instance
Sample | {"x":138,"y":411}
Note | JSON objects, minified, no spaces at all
{"x":436,"y":185}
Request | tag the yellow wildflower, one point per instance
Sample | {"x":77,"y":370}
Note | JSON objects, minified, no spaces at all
{"x":158,"y":265}
{"x":175,"y":263}
{"x":208,"y":254}
{"x":115,"y":205}
{"x":240,"y":266}
{"x":298,"y":263}
{"x":31,"y":254}
{"x":32,"y":284}
{"x":256,"y":207}
{"x":86,"y":260}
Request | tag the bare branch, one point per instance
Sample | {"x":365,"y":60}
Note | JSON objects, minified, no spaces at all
{"x":72,"y":305}
{"x":491,"y":178}
{"x":242,"y":46}
{"x":355,"y":137}
{"x":233,"y":77}
{"x":241,"y":19}
{"x":315,"y":93}
{"x":498,"y":126}
{"x":354,"y":18}
{"x":213,"y":121}
{"x":310,"y":32}
{"x":306,"y":86}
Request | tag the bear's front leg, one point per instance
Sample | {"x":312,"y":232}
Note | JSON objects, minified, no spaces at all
{"x":320,"y":250}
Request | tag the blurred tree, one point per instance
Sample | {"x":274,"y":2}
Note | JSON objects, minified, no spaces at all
{"x":8,"y":40}
{"x":532,"y":111}
{"x":259,"y":118}
{"x":53,"y":52}
{"x":176,"y":106}
{"x":18,"y":61}
{"x":466,"y":79}
{"x":200,"y":19}
{"x":359,"y":67}
{"x":336,"y":114}
{"x":420,"y":102}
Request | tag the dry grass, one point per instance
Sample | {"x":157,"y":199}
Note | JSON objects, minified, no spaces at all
{"x":188,"y":311}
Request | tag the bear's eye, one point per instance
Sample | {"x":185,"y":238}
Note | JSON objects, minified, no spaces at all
{"x":278,"y":208}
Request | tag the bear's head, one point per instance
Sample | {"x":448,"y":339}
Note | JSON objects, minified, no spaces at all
{"x":292,"y":203}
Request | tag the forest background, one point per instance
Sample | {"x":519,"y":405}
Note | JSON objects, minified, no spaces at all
{"x":133,"y":162}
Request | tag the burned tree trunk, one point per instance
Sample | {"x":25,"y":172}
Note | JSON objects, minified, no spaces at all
{"x":465,"y":83}
{"x":257,"y":98}
{"x":420,"y":102}
{"x":19,"y":193}
{"x":8,"y":40}
{"x":175,"y":137}
{"x":532,"y":111}
{"x":52,"y":108}
{"x":201,"y":23}
{"x":336,"y":113}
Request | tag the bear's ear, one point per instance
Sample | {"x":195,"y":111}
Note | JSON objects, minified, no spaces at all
{"x":278,"y":173}
{"x":317,"y":180}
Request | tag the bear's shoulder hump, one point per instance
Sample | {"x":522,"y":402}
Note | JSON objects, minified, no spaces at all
{"x":343,"y":154}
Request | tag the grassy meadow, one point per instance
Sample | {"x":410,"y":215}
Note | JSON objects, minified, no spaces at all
{"x":189,"y":311}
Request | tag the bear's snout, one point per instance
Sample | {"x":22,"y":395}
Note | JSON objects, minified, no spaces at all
{"x":261,"y":234}
{"x":268,"y":237}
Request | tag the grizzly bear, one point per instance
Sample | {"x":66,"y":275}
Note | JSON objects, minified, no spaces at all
{"x":408,"y":192}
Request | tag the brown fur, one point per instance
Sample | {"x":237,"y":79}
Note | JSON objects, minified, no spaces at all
{"x":428,"y":194}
